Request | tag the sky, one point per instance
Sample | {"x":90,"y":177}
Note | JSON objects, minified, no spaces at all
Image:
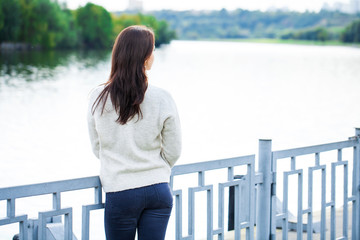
{"x":296,"y":5}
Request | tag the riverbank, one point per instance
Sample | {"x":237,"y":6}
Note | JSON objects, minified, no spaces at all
{"x":18,"y":46}
{"x":285,"y":41}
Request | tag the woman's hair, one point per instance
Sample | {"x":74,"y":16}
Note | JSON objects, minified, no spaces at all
{"x":128,"y":81}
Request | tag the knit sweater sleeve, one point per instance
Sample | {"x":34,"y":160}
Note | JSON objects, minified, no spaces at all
{"x":171,"y":133}
{"x":94,"y":138}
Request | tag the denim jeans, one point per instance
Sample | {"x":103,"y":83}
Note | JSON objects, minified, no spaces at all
{"x":146,"y":209}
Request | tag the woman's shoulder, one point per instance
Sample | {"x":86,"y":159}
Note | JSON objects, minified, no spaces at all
{"x":95,"y":92}
{"x":159,"y":93}
{"x":161,"y":98}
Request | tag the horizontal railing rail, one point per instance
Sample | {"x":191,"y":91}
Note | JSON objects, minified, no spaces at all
{"x":210,"y":165}
{"x":313,"y":149}
{"x":49,"y":188}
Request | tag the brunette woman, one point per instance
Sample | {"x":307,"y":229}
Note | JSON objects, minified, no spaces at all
{"x":135,"y":132}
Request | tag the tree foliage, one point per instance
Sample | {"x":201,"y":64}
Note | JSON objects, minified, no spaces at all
{"x":95,"y":26}
{"x":10,"y":20}
{"x":163,"y":34}
{"x":351,"y":33}
{"x":46,"y":24}
{"x":43,"y":23}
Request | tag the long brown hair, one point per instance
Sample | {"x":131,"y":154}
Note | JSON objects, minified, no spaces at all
{"x":128,"y":81}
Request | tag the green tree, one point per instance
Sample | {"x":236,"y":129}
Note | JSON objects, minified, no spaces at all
{"x":162,"y":31}
{"x":322,"y":34}
{"x":163,"y":34}
{"x":44,"y":24}
{"x":56,"y":28}
{"x":10,"y":20}
{"x":95,"y":26}
{"x":70,"y":38}
{"x":124,"y":21}
{"x":32,"y":24}
{"x":351,"y":32}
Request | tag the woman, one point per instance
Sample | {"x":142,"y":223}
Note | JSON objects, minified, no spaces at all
{"x":135,"y":132}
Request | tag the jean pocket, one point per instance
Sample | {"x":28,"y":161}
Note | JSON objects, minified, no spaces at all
{"x":164,"y":195}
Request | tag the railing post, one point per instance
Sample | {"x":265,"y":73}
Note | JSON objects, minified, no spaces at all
{"x":356,"y":188}
{"x":263,"y":211}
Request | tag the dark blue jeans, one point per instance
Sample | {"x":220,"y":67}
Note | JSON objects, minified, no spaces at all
{"x":146,"y":209}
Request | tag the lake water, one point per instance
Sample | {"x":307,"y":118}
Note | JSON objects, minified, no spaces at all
{"x":229,"y":95}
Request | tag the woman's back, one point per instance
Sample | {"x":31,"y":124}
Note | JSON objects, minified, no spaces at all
{"x":139,"y":152}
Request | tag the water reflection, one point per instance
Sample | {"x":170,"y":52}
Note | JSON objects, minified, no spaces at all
{"x":20,"y":68}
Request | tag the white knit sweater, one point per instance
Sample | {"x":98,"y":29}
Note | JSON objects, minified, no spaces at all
{"x":141,"y":152}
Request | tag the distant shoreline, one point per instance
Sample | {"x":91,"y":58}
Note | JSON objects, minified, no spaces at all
{"x":280,"y":41}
